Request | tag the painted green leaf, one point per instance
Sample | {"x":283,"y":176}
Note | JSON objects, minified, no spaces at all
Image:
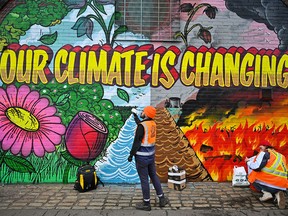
{"x":49,"y":39}
{"x":19,"y":164}
{"x":120,"y":30}
{"x":100,"y":7}
{"x":2,"y":155}
{"x":14,"y":15}
{"x":62,"y":99}
{"x":178,"y":34}
{"x":117,"y":15}
{"x":123,"y":95}
{"x":70,"y":159}
{"x":111,"y":22}
{"x":82,"y":10}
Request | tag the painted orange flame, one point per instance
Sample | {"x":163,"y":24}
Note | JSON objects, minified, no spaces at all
{"x":219,"y":150}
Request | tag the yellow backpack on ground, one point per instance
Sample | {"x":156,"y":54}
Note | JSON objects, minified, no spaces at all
{"x":87,"y":178}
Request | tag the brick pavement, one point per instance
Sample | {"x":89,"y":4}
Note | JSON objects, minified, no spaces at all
{"x":197,"y":196}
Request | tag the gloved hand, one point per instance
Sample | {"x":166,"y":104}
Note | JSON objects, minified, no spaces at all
{"x":130,"y":158}
{"x":134,"y":111}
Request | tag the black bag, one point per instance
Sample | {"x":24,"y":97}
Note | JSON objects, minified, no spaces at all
{"x":86,"y":179}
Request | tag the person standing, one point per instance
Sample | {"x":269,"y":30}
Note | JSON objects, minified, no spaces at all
{"x":143,"y":149}
{"x":267,"y":172}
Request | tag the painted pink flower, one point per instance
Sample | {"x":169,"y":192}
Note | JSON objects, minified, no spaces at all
{"x":27,"y":122}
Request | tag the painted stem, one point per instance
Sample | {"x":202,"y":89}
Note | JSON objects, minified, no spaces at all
{"x":101,"y":22}
{"x":66,"y":172}
{"x":191,"y":15}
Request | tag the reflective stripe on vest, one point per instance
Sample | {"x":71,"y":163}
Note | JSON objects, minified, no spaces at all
{"x":273,"y":169}
{"x":145,"y":153}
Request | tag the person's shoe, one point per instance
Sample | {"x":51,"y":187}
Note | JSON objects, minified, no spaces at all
{"x":266,"y":196}
{"x":280,"y":197}
{"x":163,"y":201}
{"x":143,"y":206}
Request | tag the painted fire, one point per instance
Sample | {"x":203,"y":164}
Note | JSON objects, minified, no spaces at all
{"x":223,"y":141}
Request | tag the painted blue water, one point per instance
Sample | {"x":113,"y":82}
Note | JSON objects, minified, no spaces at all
{"x":115,"y":168}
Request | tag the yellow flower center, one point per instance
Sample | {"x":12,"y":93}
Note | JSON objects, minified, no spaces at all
{"x":22,"y":118}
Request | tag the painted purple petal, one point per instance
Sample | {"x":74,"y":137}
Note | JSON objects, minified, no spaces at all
{"x":38,"y":147}
{"x":57,"y":128}
{"x":53,"y":137}
{"x":48,"y":111}
{"x":10,"y":138}
{"x":47,"y":143}
{"x":31,"y":98}
{"x":3,"y":119}
{"x":39,"y":105}
{"x":18,"y":144}
{"x":23,"y":91}
{"x":12,"y":94}
{"x":27,"y":144}
{"x":5,"y":128}
{"x":51,"y":119}
{"x":2,"y":107}
{"x":4,"y":99}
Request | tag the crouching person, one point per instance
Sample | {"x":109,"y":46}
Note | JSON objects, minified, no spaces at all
{"x":267,"y":172}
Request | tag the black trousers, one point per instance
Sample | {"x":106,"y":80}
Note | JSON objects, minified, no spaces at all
{"x":146,"y":168}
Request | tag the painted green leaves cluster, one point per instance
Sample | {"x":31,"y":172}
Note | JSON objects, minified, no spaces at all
{"x":70,"y":99}
{"x":23,"y":16}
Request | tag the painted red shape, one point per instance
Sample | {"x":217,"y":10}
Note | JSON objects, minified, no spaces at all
{"x":86,"y":136}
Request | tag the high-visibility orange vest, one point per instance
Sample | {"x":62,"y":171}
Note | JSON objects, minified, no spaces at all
{"x":148,"y":141}
{"x":274,"y":173}
{"x":149,"y":137}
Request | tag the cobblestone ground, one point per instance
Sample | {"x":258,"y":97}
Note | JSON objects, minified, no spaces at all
{"x":197,"y":196}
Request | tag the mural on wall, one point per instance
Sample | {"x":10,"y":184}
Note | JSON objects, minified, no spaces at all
{"x":32,"y":125}
{"x":264,"y":12}
{"x":203,"y":32}
{"x":68,"y":86}
{"x":51,"y":127}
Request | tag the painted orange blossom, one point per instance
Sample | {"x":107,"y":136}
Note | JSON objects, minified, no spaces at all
{"x":27,"y":122}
